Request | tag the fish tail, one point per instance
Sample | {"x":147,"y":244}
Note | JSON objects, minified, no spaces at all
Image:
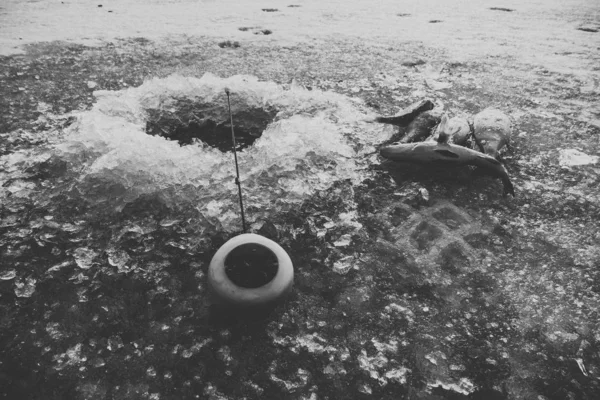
{"x":497,"y":169}
{"x":502,"y":173}
{"x":508,"y":186}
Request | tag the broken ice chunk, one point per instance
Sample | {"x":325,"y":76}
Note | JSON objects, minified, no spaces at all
{"x":573,"y":157}
{"x":25,"y":288}
{"x":343,"y":241}
{"x":343,"y":266}
{"x":84,"y":257}
{"x":8,"y":275}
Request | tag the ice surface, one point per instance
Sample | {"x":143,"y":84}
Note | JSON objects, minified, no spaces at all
{"x":316,"y":139}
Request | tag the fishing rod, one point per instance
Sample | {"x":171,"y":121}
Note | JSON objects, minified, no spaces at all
{"x":253,"y":254}
{"x":237,"y":170}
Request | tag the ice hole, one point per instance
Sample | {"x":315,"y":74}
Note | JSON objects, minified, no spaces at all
{"x":188,"y":120}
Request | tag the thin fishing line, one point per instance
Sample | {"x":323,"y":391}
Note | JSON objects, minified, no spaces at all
{"x":237,"y":170}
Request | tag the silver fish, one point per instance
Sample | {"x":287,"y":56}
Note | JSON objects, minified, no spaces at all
{"x":447,"y":154}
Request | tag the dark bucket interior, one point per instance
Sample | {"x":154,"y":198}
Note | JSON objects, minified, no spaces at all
{"x":251,"y":265}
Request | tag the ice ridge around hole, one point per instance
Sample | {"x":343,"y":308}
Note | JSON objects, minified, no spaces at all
{"x":315,"y":139}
